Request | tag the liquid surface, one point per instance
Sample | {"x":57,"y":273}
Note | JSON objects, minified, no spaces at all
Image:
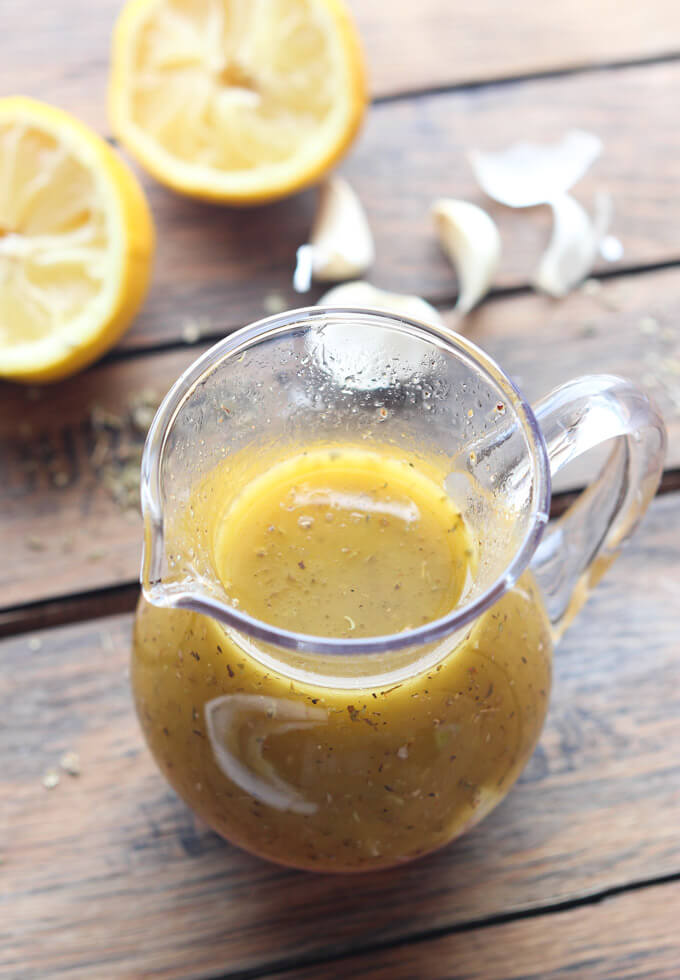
{"x":344,"y":543}
{"x":329,"y":777}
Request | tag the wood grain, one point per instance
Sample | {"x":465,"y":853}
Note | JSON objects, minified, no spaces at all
{"x":459,"y":43}
{"x":70,"y":609}
{"x":108,"y":875}
{"x":98,"y":603}
{"x":63,"y":532}
{"x":219,"y":268}
{"x":448,"y":44}
{"x":223,"y":268}
{"x":62,"y":526}
{"x":629,"y":937}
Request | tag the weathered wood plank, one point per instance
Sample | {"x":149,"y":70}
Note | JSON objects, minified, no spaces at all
{"x":223,"y":268}
{"x":632,"y":936}
{"x":63,"y":532}
{"x":71,"y":609}
{"x":456,"y":43}
{"x":447,"y":44}
{"x":226,"y":268}
{"x":123,"y":598}
{"x":109,"y":875}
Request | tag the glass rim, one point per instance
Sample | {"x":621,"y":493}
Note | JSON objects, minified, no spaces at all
{"x":279,"y":325}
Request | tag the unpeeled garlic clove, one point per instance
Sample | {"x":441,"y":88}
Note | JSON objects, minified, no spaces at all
{"x":573,"y":245}
{"x":341,"y":244}
{"x":363,"y":295}
{"x":471,"y":240}
{"x":527,"y":174}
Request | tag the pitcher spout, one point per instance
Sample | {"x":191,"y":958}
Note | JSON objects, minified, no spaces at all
{"x":279,"y":388}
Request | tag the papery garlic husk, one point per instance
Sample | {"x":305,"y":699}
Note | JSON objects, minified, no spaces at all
{"x":341,"y":244}
{"x":528,"y":174}
{"x":472,"y":242}
{"x":574,"y":244}
{"x":370,"y":359}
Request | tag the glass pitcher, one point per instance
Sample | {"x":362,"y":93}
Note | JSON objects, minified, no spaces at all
{"x":342,"y":752}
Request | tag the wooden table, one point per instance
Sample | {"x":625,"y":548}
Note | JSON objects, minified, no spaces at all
{"x":577,"y":873}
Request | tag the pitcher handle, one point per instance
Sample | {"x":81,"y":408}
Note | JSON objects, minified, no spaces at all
{"x":578,"y":548}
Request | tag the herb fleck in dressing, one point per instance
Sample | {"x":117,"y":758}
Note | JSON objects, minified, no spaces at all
{"x":349,"y":544}
{"x":343,"y":543}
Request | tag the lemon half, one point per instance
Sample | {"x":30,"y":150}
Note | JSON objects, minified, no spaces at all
{"x":236,"y":101}
{"x":76,"y":242}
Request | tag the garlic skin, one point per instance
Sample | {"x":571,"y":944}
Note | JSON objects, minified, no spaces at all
{"x":573,"y":246}
{"x":528,"y":174}
{"x":472,"y":242}
{"x":363,"y":295}
{"x":341,"y":244}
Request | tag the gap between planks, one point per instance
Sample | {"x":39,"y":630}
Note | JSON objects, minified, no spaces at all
{"x":443,"y":303}
{"x":603,"y":785}
{"x":537,"y":41}
{"x":122,"y":598}
{"x":240,"y":259}
{"x":631,"y":935}
{"x":627,"y":326}
{"x":518,"y":78}
{"x":347,"y":957}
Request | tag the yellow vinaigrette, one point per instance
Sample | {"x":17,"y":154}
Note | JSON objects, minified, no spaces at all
{"x":344,"y":543}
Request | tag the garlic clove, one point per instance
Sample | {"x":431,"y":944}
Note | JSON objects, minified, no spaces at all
{"x":471,"y":240}
{"x":574,"y":244}
{"x":368,"y":360}
{"x":341,"y":244}
{"x":363,"y":295}
{"x":527,"y":174}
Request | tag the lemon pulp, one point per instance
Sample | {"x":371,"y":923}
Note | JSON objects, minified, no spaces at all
{"x":76,"y":241}
{"x":234,"y":100}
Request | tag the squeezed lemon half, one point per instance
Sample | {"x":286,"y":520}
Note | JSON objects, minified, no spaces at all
{"x":236,"y":101}
{"x":76,"y":243}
